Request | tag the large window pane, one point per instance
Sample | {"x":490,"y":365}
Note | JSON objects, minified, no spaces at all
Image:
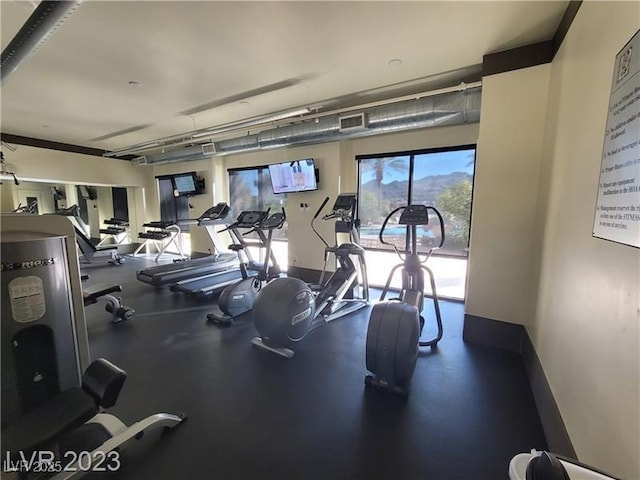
{"x":243,"y":190}
{"x":383,"y":186}
{"x":444,"y":180}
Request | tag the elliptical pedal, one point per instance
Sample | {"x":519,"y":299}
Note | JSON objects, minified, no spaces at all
{"x":374,"y":382}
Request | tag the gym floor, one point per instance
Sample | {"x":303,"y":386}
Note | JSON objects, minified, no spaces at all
{"x":253,"y":414}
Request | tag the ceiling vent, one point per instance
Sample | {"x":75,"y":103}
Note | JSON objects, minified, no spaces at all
{"x":350,"y":123}
{"x":141,"y":160}
{"x":209,"y":148}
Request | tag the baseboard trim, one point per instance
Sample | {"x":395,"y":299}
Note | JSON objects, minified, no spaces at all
{"x":554,"y":428}
{"x":307,"y":275}
{"x":493,"y":333}
{"x":514,"y":337}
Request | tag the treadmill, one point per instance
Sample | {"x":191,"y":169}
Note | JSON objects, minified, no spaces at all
{"x":182,"y":270}
{"x":208,"y":285}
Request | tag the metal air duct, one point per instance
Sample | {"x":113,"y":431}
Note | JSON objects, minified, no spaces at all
{"x":453,"y":108}
{"x":41,"y":24}
{"x":193,"y":152}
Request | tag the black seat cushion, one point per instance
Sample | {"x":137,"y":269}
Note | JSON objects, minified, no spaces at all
{"x":41,"y":426}
{"x":112,"y":231}
{"x":92,"y":294}
{"x":156,"y":235}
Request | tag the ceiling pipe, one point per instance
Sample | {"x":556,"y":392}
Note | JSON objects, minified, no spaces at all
{"x":274,"y":119}
{"x":45,"y":20}
{"x":453,"y":108}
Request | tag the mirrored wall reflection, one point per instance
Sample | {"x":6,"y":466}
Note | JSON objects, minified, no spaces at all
{"x":102,"y":212}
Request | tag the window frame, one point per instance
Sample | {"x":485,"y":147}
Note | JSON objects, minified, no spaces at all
{"x":412,"y":154}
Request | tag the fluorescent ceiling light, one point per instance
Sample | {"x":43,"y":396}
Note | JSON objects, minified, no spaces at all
{"x":134,"y":148}
{"x":252,"y":122}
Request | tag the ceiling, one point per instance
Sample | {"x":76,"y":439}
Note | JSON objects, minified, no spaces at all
{"x":199,"y":64}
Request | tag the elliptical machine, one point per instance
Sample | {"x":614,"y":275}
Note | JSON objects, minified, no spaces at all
{"x":239,"y":297}
{"x":287,"y":309}
{"x":395,"y":326}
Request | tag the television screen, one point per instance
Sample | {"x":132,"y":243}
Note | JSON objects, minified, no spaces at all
{"x":184,"y":183}
{"x":296,"y":176}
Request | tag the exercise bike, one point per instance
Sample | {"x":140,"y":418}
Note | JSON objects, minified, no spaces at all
{"x":287,"y":309}
{"x":239,"y":297}
{"x":395,"y":326}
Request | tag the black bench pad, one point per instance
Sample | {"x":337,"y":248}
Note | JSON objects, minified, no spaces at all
{"x":116,"y":221}
{"x":157,"y":235}
{"x":92,"y":294}
{"x":41,"y":426}
{"x":159,"y":224}
{"x":112,"y":230}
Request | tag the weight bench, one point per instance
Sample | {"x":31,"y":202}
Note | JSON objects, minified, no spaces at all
{"x":90,"y":251}
{"x":74,"y":421}
{"x":114,"y":304}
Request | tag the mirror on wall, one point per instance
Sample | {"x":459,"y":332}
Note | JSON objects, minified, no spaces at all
{"x":103,"y":212}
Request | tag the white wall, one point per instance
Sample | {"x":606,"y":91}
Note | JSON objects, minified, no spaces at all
{"x":6,"y":196}
{"x":586,"y":323}
{"x":53,"y":166}
{"x":305,"y":249}
{"x":415,"y":140}
{"x":512,"y":126}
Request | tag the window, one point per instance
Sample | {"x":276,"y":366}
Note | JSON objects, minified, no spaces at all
{"x":250,"y":189}
{"x":442,"y":178}
{"x":439,"y":178}
{"x":172,"y":208}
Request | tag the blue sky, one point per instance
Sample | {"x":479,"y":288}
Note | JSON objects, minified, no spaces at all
{"x":441,"y":163}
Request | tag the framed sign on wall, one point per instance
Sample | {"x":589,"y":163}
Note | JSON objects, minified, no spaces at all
{"x":617,"y":216}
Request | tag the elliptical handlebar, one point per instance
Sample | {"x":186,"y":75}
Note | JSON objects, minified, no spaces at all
{"x":441,"y":221}
{"x":321,"y":207}
{"x":314,"y":219}
{"x":384,"y":225}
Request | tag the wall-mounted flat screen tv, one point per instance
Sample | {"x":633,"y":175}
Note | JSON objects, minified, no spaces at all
{"x":185,"y":183}
{"x":295,"y":176}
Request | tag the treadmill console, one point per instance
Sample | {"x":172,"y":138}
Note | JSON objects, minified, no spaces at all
{"x":250,"y":218}
{"x":216,"y":212}
{"x":274,"y":221}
